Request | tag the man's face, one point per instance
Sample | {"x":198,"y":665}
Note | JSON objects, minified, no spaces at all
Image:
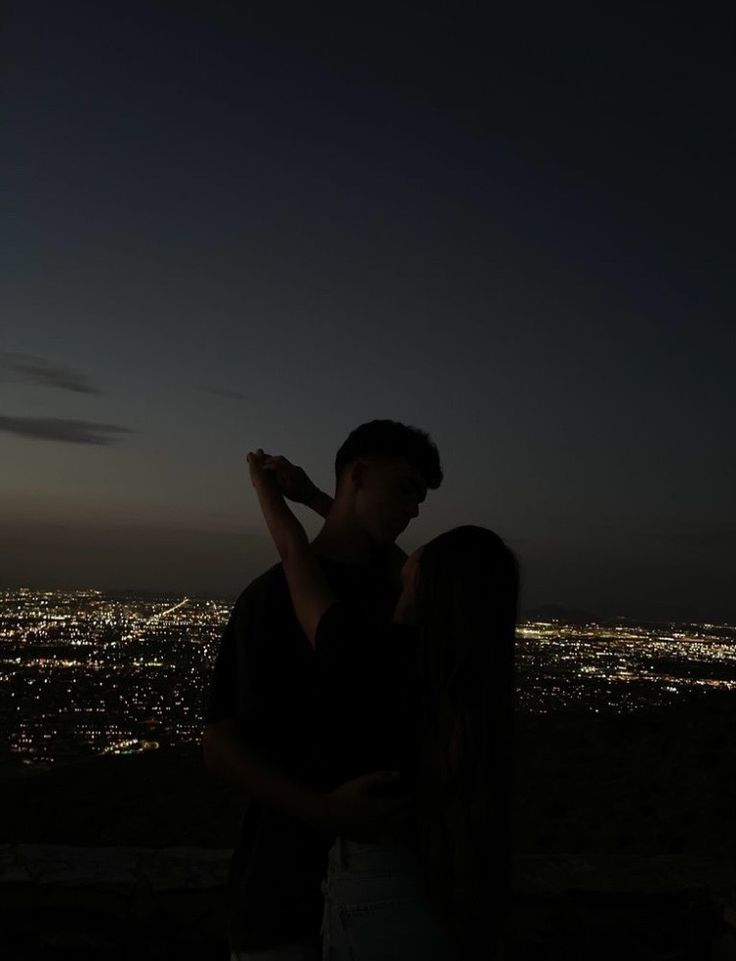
{"x":387,"y":496}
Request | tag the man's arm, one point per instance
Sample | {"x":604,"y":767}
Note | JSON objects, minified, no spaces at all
{"x":234,"y":688}
{"x":320,"y":502}
{"x":351,"y":809}
{"x":228,"y":754}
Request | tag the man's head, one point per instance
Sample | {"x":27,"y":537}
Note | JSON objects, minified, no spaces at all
{"x":383,"y":471}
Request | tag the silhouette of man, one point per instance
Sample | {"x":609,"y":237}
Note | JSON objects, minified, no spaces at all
{"x":267,"y":711}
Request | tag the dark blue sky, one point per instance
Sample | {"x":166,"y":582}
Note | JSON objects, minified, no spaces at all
{"x":227,"y":229}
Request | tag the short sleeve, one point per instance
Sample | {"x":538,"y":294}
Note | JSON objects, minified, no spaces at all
{"x":235,"y":689}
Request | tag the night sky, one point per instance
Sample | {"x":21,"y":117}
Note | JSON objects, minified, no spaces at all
{"x":227,"y":228}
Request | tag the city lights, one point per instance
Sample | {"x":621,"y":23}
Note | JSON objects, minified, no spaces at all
{"x":85,"y":673}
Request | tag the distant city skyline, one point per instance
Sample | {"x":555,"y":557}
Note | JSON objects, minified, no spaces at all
{"x":229,"y":228}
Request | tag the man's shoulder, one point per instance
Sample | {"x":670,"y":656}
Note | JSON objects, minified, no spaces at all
{"x":270,"y":590}
{"x":270,"y":583}
{"x":273,"y":583}
{"x":265,"y":600}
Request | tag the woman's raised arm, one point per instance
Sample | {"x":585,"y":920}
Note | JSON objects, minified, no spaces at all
{"x":310,"y":593}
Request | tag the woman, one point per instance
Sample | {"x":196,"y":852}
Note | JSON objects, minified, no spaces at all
{"x":437,"y":685}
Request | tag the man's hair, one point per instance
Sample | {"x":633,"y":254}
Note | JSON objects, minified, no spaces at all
{"x":389,"y":439}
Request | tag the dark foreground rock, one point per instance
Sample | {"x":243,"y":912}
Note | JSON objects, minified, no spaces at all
{"x":123,"y":903}
{"x":115,"y":903}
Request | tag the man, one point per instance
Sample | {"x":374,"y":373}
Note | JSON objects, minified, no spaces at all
{"x":267,"y":709}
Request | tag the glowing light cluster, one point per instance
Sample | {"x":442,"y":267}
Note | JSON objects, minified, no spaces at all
{"x":88,"y":673}
{"x":84,"y":673}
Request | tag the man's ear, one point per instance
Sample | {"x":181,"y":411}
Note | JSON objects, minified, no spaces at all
{"x":357,"y":474}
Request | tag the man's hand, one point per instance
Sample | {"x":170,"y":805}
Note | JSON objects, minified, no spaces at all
{"x":354,"y":810}
{"x":291,"y":480}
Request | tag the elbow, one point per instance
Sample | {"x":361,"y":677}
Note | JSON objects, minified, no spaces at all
{"x":217,"y":743}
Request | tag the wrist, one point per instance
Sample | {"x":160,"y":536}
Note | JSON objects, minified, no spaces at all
{"x":320,"y":502}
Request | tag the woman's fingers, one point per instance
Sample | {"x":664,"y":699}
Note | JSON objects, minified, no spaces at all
{"x":255,"y":463}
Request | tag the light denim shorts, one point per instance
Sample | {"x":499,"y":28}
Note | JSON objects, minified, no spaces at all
{"x":374,"y":910}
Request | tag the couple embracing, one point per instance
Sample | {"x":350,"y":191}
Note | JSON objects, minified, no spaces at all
{"x":362,"y":700}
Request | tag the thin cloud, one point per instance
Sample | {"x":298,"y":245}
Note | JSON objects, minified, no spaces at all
{"x":36,"y":370}
{"x":66,"y":431}
{"x":224,"y":392}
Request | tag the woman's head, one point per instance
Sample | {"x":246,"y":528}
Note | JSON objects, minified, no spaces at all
{"x":466,"y":569}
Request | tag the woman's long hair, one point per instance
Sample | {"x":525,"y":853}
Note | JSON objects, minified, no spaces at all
{"x":465,"y":614}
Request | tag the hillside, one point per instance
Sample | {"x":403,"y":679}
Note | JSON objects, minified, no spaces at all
{"x":661,"y":782}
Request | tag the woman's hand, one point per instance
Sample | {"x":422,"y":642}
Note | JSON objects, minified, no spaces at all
{"x":292,"y":481}
{"x":259,"y":475}
{"x":355,"y":812}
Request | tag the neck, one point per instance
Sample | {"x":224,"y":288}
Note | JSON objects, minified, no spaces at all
{"x":341,"y":540}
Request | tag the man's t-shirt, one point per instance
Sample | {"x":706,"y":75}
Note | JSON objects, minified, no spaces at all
{"x":267,"y":678}
{"x":370,"y":670}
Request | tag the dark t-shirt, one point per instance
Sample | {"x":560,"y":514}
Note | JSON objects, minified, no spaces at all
{"x":267,"y":678}
{"x":369,"y":669}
